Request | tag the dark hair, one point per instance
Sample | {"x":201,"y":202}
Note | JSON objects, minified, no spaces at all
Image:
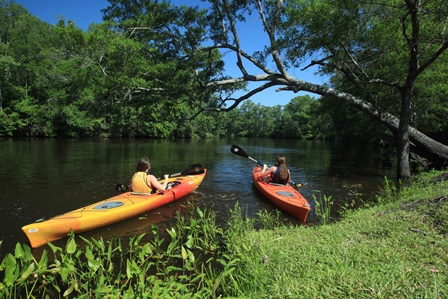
{"x":143,"y":164}
{"x":282,"y":169}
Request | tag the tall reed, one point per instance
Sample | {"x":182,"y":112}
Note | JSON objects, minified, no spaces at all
{"x":323,"y":207}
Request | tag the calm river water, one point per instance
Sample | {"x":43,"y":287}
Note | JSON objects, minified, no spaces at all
{"x":41,"y":178}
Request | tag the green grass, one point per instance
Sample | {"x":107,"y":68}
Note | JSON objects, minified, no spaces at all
{"x":397,"y":248}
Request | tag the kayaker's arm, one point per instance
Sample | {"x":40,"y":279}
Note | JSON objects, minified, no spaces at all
{"x":266,"y":171}
{"x":154,"y":183}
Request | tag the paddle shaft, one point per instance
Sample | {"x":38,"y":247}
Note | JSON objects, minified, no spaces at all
{"x":193,"y":169}
{"x":259,"y":163}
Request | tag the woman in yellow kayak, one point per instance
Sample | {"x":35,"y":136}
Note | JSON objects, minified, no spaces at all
{"x":277,"y":174}
{"x":143,"y":182}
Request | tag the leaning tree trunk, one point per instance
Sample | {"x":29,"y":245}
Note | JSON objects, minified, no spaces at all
{"x":427,"y":147}
{"x":403,"y":169}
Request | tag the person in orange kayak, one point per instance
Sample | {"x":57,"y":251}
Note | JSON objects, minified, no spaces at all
{"x":143,"y":182}
{"x":278,"y":174}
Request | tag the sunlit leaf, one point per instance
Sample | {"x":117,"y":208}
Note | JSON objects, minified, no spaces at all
{"x":69,"y":290}
{"x":18,"y":252}
{"x":27,"y":272}
{"x":201,"y":214}
{"x":71,"y":246}
{"x":184,"y":253}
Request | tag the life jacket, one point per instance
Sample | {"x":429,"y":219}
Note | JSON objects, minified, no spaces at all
{"x":139,"y":183}
{"x":275,"y":177}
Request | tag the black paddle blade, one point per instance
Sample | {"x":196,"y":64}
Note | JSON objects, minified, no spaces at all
{"x":193,"y":169}
{"x":238,"y":151}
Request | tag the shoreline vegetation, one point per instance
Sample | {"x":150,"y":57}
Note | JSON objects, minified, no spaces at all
{"x":396,"y":248}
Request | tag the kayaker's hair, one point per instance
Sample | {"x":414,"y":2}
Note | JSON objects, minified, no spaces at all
{"x":143,"y":164}
{"x":283,"y":170}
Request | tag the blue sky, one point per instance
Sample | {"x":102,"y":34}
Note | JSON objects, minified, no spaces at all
{"x":86,"y":12}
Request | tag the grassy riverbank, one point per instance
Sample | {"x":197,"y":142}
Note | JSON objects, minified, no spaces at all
{"x":396,"y":249}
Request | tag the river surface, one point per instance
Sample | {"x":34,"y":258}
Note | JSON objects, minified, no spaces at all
{"x":41,"y":178}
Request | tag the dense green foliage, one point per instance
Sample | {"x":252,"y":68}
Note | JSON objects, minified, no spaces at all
{"x":61,"y":81}
{"x":393,"y":248}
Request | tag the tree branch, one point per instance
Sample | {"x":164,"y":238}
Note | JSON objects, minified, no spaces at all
{"x":271,"y":34}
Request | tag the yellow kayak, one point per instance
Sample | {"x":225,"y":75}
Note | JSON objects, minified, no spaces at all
{"x":112,"y":210}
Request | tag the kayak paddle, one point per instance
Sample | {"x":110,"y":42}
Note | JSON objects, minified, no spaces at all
{"x":192,"y":169}
{"x":240,"y":152}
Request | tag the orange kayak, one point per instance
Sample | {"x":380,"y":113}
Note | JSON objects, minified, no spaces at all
{"x":111,"y":210}
{"x":286,"y":197}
